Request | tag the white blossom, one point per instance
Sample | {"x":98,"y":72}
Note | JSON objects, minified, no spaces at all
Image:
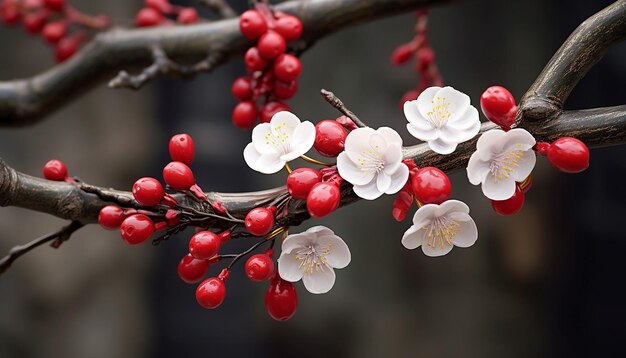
{"x":442,"y":117}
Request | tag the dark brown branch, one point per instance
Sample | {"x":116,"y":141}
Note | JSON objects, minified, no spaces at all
{"x":338,"y":104}
{"x":220,"y":7}
{"x":582,"y":49}
{"x":25,"y":101}
{"x":57,"y":238}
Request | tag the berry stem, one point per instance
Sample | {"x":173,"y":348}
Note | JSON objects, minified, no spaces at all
{"x":315,"y":161}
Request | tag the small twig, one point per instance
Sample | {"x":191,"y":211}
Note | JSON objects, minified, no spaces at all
{"x":59,"y":237}
{"x":221,"y":7}
{"x":163,"y":65}
{"x":248,"y":251}
{"x":338,"y":104}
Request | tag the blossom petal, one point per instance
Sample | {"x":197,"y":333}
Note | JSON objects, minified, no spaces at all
{"x":260,"y":137}
{"x":301,"y":141}
{"x":465,"y":120}
{"x":451,"y":206}
{"x":319,"y":230}
{"x":525,"y":166}
{"x":378,"y":143}
{"x":424,"y":101}
{"x":393,"y":159}
{"x":368,"y":191}
{"x":458,"y":100}
{"x":284,"y":123}
{"x":251,"y":156}
{"x":320,"y":281}
{"x":490,"y":143}
{"x":413,"y":237}
{"x":269,"y":163}
{"x":498,"y":190}
{"x":466,"y":234}
{"x":350,"y":172}
{"x":358,"y":142}
{"x":398,"y":179}
{"x":477,"y":169}
{"x":391,"y":136}
{"x":441,"y":147}
{"x":289,"y":267}
{"x":415,"y":118}
{"x":522,"y":136}
{"x":338,"y":253}
{"x":438,"y":250}
{"x":296,"y":241}
{"x":424,"y":215}
{"x":383,"y":181}
{"x":430,"y":133}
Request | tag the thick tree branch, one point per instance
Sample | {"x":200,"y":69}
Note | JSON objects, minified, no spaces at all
{"x":582,"y":49}
{"x":25,"y":101}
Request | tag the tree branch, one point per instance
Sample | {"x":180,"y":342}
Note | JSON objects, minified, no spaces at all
{"x":25,"y":101}
{"x":220,"y":7}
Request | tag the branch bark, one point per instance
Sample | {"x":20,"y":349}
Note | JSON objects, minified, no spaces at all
{"x":26,"y":101}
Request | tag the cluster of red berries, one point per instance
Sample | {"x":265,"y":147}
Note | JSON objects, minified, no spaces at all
{"x":427,"y":185}
{"x":424,"y":54}
{"x":54,"y":20}
{"x":156,"y":12}
{"x":272,"y":73}
{"x":567,"y":154}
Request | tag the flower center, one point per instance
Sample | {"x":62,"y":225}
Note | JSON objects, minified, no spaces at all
{"x":312,"y":258}
{"x":371,"y":161}
{"x":440,"y":112}
{"x":278,"y":138}
{"x":503,"y":164}
{"x":441,"y":232}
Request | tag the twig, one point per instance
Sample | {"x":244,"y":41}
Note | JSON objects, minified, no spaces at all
{"x":59,"y":237}
{"x":163,"y":65}
{"x":338,"y":104}
{"x":221,"y":7}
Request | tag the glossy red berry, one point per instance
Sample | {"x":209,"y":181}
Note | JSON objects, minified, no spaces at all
{"x":178,"y":176}
{"x":254,"y":61}
{"x":34,"y":22}
{"x":431,"y":186}
{"x":148,"y":191}
{"x":182,"y":148}
{"x":187,"y":16}
{"x":211,"y":293}
{"x":289,"y":27}
{"x":67,"y":47}
{"x":287,"y":67}
{"x":259,"y":221}
{"x":111,"y":217}
{"x":136,"y":229}
{"x":204,"y":245}
{"x":245,"y":115}
{"x":323,"y":199}
{"x":242,"y":88}
{"x":330,"y":138}
{"x":281,"y":299}
{"x":56,"y":5}
{"x":162,"y":6}
{"x":252,"y":24}
{"x":259,"y":267}
{"x":271,"y":45}
{"x":509,"y":206}
{"x":10,"y":12}
{"x":284,"y":90}
{"x":53,"y":32}
{"x":301,"y":181}
{"x":568,"y":155}
{"x":55,"y":170}
{"x":192,"y":270}
{"x":269,"y":109}
{"x":498,"y":105}
{"x":148,"y":17}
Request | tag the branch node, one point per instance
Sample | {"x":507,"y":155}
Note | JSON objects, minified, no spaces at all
{"x":338,"y":104}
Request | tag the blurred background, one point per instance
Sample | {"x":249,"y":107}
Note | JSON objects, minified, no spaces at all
{"x":546,"y":282}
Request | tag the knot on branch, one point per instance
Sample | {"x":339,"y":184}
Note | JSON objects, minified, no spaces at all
{"x":536,"y":108}
{"x":71,"y":206}
{"x":8,"y":184}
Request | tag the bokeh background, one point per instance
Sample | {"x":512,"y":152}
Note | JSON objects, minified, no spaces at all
{"x":546,"y":282}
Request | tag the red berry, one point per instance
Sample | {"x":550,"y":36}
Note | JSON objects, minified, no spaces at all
{"x":509,"y":206}
{"x":259,"y":221}
{"x":136,"y":229}
{"x":178,"y":175}
{"x":148,"y":191}
{"x":425,"y":58}
{"x":67,"y":47}
{"x":182,"y":148}
{"x":204,"y":245}
{"x":254,"y":61}
{"x":10,"y":12}
{"x":568,"y":155}
{"x":162,"y":6}
{"x":259,"y":267}
{"x":192,"y":270}
{"x":409,"y":96}
{"x":402,"y":54}
{"x":245,"y":115}
{"x":323,"y":199}
{"x":55,"y":170}
{"x":271,"y":45}
{"x":148,"y":17}
{"x":211,"y":292}
{"x":187,"y":16}
{"x":53,"y":32}
{"x":301,"y":180}
{"x":526,"y":184}
{"x":34,"y":22}
{"x":56,"y":5}
{"x":242,"y":88}
{"x":330,"y":138}
{"x":287,"y":67}
{"x":252,"y":24}
{"x":281,"y":299}
{"x":431,"y":186}
{"x":111,"y":217}
{"x":289,"y":27}
{"x":269,"y":109}
{"x":284,"y":90}
{"x":498,"y":105}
